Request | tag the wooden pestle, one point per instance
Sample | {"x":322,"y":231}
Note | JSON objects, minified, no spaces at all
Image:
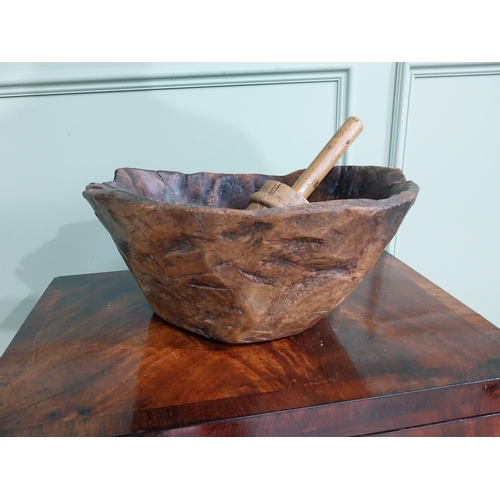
{"x":277,"y":194}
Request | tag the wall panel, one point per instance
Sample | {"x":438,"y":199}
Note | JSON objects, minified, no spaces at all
{"x":446,"y":138}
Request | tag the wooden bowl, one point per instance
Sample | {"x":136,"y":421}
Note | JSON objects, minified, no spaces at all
{"x":206,"y":264}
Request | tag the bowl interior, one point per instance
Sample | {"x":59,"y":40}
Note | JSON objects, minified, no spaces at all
{"x":234,"y":190}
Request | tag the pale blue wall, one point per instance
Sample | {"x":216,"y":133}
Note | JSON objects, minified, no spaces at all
{"x":449,"y":143}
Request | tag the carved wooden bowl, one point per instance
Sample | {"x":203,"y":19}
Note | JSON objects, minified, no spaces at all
{"x":206,"y":264}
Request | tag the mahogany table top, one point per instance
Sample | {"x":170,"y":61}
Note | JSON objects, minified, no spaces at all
{"x":399,"y":356}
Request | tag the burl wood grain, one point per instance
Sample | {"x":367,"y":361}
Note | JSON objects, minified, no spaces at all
{"x":206,"y":264}
{"x":92,"y":359}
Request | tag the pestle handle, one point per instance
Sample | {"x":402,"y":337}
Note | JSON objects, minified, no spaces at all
{"x":328,"y":156}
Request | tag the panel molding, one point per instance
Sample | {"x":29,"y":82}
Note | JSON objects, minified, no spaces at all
{"x":21,"y":80}
{"x":406,"y":74}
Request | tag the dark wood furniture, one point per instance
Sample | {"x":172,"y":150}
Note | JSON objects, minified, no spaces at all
{"x":398,"y":357}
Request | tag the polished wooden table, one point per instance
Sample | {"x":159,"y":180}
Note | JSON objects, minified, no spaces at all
{"x":398,"y":357}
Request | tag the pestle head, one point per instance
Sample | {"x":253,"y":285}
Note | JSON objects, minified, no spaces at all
{"x":275,"y":194}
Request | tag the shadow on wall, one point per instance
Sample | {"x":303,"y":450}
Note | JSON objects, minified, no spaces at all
{"x":77,"y":249}
{"x":83,"y":247}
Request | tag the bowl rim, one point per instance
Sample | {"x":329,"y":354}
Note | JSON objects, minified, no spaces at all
{"x":407,"y":193}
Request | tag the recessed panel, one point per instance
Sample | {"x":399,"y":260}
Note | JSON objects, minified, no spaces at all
{"x":452,"y":234}
{"x":52,"y":146}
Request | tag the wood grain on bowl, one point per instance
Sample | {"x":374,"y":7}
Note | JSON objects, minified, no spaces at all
{"x":206,"y":264}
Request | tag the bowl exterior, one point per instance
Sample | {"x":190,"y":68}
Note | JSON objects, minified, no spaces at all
{"x":247,"y":276}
